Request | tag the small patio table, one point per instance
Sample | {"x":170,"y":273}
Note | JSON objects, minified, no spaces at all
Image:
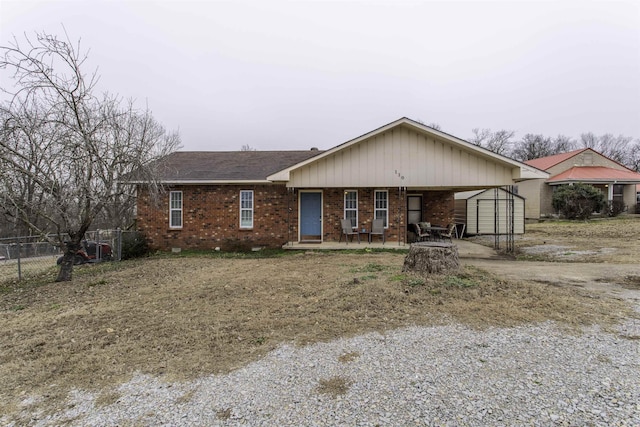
{"x":435,"y":230}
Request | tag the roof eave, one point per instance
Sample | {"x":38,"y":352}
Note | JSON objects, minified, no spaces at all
{"x":207,"y":182}
{"x":530,"y":172}
{"x":593,"y":181}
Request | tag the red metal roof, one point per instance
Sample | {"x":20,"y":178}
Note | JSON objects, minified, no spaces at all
{"x":545,"y":163}
{"x":595,"y":174}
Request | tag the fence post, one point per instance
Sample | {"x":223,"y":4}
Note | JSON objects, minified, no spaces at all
{"x":98,"y":247}
{"x":119,"y":246}
{"x":19,"y":262}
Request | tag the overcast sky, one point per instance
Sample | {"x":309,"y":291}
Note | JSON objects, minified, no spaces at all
{"x":295,"y":75}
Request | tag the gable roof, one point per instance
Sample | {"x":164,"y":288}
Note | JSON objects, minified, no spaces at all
{"x":235,"y":167}
{"x":595,"y":174}
{"x":525,"y":171}
{"x":198,"y":167}
{"x":545,"y":163}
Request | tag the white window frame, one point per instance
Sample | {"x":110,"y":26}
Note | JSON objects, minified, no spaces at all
{"x":175,"y":208}
{"x":246,"y":209}
{"x":377,"y":210}
{"x":351,"y":208}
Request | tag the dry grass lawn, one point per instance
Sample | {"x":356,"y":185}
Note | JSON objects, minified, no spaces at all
{"x":186,"y":316}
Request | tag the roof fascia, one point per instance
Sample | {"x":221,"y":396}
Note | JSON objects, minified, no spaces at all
{"x":207,"y":182}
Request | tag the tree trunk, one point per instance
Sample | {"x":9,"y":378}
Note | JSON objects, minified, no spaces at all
{"x":66,"y":266}
{"x":431,"y":258}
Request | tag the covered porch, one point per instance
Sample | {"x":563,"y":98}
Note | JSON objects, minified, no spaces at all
{"x":403,"y":173}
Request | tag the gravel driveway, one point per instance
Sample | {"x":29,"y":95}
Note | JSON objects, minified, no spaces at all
{"x":442,"y":376}
{"x":428,"y":376}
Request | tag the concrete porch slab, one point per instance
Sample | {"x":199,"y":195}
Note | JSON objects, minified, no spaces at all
{"x":466,"y":249}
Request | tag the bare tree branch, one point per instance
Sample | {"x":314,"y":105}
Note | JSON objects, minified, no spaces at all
{"x":65,"y":150}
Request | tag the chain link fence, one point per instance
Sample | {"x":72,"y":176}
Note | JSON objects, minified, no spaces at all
{"x":29,"y":256}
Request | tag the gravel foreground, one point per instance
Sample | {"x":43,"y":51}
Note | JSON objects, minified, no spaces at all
{"x":537,"y":375}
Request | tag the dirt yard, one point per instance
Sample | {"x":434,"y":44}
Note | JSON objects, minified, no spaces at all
{"x":614,"y":240}
{"x":181,"y":317}
{"x":601,"y":256}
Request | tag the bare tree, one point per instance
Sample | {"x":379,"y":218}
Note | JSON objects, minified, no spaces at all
{"x":634,"y":156}
{"x":247,"y":147}
{"x":617,"y":148}
{"x":480,"y":136}
{"x":64,"y":149}
{"x":499,"y":142}
{"x":533,"y":147}
{"x":563,"y":144}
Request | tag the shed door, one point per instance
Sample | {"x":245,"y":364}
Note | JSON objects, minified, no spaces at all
{"x":311,"y":216}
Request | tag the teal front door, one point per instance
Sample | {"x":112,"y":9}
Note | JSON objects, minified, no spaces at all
{"x":311,"y":217}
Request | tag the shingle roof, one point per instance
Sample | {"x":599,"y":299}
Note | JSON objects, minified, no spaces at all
{"x":228,"y":166}
{"x":595,"y":173}
{"x":545,"y":163}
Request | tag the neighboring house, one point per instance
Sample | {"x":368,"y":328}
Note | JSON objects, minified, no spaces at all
{"x":587,"y":166}
{"x":402,"y":172}
{"x":492,"y":211}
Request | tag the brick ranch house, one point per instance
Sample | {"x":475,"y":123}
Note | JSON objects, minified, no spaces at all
{"x":402,"y":172}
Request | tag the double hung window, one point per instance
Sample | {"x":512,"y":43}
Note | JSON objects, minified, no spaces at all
{"x":351,"y":207}
{"x":175,"y":209}
{"x":246,"y":209}
{"x":381,"y":207}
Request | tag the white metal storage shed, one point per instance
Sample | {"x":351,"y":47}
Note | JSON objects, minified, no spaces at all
{"x":490,"y":211}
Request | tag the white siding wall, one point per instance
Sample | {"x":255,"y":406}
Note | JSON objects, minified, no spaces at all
{"x":481,"y":213}
{"x":421,"y":159}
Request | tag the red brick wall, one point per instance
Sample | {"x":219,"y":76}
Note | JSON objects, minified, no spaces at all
{"x":211,"y":216}
{"x":438,"y":207}
{"x":333,"y":200}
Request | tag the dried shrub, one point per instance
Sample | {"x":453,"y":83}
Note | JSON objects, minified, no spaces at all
{"x":134,"y":245}
{"x":334,"y":386}
{"x":616,"y":207}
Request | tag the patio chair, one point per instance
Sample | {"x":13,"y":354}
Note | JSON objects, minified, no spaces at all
{"x":347,"y":230}
{"x":449,"y":233}
{"x":420,"y":234}
{"x":377,"y":229}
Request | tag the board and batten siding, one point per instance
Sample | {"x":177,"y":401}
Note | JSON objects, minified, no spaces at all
{"x":423,"y":161}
